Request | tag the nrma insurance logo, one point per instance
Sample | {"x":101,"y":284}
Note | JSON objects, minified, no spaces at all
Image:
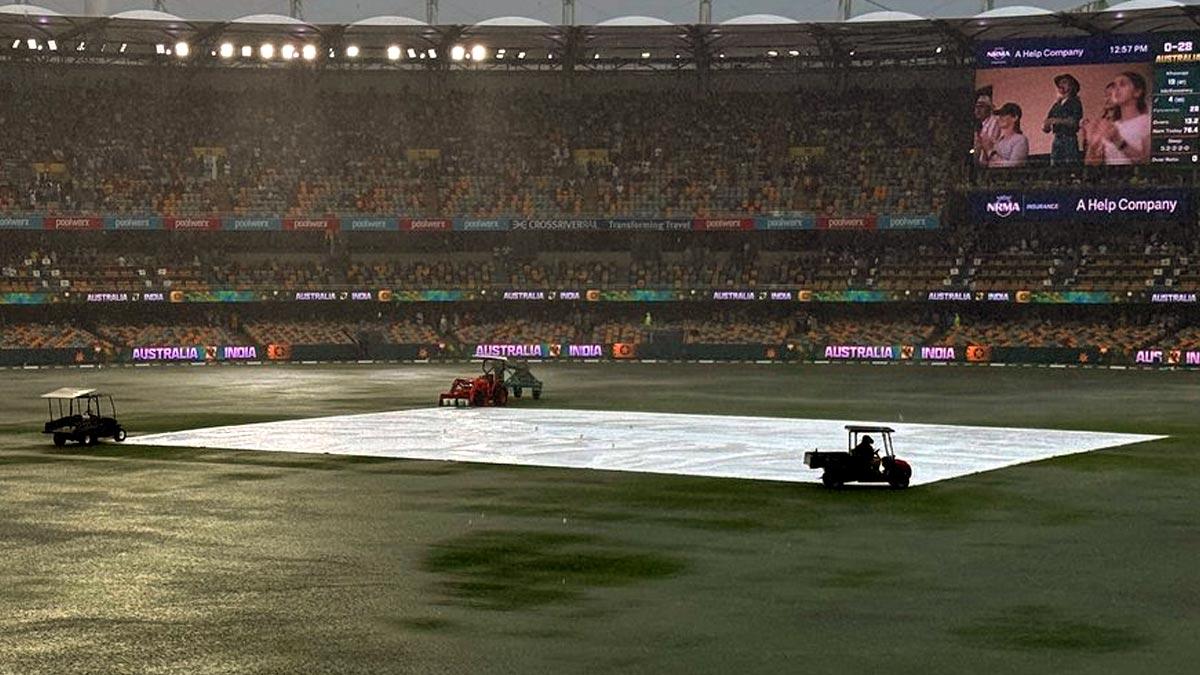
{"x":1004,"y":206}
{"x":998,"y":54}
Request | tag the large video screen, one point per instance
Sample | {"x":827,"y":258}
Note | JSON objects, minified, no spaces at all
{"x":1102,"y":100}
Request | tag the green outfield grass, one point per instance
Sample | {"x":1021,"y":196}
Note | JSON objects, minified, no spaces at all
{"x":131,"y":559}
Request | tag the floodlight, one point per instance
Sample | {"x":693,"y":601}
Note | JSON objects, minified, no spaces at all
{"x":267,"y":51}
{"x":772,"y":53}
{"x":182,"y":49}
{"x":309,"y":52}
{"x":31,"y":43}
{"x":478,"y":53}
{"x":645,"y":55}
{"x":124,"y":46}
{"x":520,"y":55}
{"x":412,"y":53}
{"x":457,"y":52}
{"x":287,"y":52}
{"x":227,"y":50}
{"x":393,"y":53}
{"x":352,"y":51}
{"x":52,"y":45}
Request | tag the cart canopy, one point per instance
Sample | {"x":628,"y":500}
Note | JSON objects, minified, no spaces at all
{"x":66,"y":393}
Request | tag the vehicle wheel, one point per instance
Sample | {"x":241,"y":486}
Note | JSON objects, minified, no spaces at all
{"x":501,"y":397}
{"x":517,"y":392}
{"x":537,"y":393}
{"x":899,"y":478}
{"x":478,"y":398}
{"x":120,"y":435}
{"x":80,"y":439}
{"x":60,"y":440}
{"x":92,"y":439}
{"x":831,"y":480}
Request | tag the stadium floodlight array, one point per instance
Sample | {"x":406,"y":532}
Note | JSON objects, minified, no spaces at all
{"x":182,"y":49}
{"x":352,"y":52}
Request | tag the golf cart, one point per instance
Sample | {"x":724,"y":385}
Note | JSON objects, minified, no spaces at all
{"x":862,"y":462}
{"x":78,"y":416}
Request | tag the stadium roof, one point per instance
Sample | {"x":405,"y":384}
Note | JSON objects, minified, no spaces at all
{"x":530,"y":42}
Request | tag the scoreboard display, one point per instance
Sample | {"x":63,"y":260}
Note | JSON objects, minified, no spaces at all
{"x":1136,"y":98}
{"x":1175,"y":114}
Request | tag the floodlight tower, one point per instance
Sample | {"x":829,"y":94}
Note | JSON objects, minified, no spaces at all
{"x":568,"y":17}
{"x":160,"y":5}
{"x":296,"y":9}
{"x":705,"y":11}
{"x":431,"y":12}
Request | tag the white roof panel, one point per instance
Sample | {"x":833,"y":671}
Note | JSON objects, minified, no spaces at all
{"x":68,"y":392}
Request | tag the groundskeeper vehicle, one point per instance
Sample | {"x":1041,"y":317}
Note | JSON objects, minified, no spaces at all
{"x":77,"y":415}
{"x":487,"y":389}
{"x":862,"y":462}
{"x":520,"y":379}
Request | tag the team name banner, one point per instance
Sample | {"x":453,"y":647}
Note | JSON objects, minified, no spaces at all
{"x":161,"y":353}
{"x":1101,"y":205}
{"x":891,"y":353}
{"x":549,"y":350}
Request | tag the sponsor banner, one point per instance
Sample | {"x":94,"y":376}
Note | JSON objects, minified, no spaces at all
{"x":846,"y":223}
{"x":311,"y":224}
{"x":26,"y":298}
{"x":246,"y":223}
{"x":1099,"y":205}
{"x":370,"y":224}
{"x":196,"y":353}
{"x":978,"y":353}
{"x":555,"y":224}
{"x":20,"y":222}
{"x":215,"y":296}
{"x":540,"y":351}
{"x":1107,"y":48}
{"x":930,"y":222}
{"x":648,"y":224}
{"x":133,"y":223}
{"x":481,"y":224}
{"x":72,"y":223}
{"x":802,"y":222}
{"x":278,"y":352}
{"x":722,"y":224}
{"x":624,"y":350}
{"x":426,"y":224}
{"x":202,"y":223}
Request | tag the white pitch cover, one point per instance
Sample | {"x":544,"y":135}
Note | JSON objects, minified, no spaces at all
{"x":761,"y":448}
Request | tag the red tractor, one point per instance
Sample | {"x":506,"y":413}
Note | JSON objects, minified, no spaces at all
{"x":487,"y":389}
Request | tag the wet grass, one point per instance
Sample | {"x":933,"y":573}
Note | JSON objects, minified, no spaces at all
{"x":184,"y":560}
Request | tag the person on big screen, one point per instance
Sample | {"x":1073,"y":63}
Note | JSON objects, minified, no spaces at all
{"x":987,"y":126}
{"x":1012,"y":148}
{"x":1093,"y":138}
{"x":1126,"y":140}
{"x":1063,"y":121}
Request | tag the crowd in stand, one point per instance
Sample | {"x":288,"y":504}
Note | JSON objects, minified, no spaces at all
{"x":164,"y":143}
